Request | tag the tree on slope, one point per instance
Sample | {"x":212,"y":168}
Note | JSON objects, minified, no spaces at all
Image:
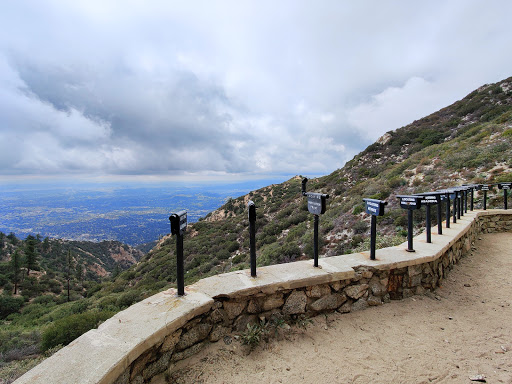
{"x":16,"y":270}
{"x":30,"y":253}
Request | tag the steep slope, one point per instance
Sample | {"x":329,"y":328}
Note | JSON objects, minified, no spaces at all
{"x":468,"y":142}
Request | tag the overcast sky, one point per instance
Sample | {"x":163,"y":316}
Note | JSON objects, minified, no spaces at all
{"x":220,"y":88}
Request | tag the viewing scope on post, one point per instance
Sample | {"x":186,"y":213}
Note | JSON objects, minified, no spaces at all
{"x":316,"y":206}
{"x":411,"y":203}
{"x":178,"y":227}
{"x":375,"y":208}
{"x":505,"y":187}
{"x":316,"y":201}
{"x":252,"y":235}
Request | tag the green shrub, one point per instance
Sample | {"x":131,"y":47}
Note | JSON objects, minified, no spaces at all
{"x":128,"y":298}
{"x":66,"y":330}
{"x":10,"y":304}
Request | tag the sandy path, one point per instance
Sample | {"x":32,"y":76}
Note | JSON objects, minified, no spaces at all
{"x":463,"y":330}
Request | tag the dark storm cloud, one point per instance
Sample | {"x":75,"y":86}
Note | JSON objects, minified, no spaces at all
{"x":228,"y":87}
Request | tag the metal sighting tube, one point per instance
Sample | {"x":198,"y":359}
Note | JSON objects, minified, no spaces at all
{"x":373,"y":236}
{"x":429,"y":223}
{"x":439,"y":216}
{"x":455,"y":208}
{"x":252,"y":242}
{"x":409,"y":231}
{"x":485,"y":200}
{"x":448,"y":214}
{"x":179,"y":265}
{"x":315,"y":246}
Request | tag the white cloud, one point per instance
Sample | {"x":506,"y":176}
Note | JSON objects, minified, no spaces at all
{"x":220,"y":87}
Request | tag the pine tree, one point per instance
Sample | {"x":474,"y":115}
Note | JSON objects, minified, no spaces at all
{"x":16,"y":270}
{"x":69,"y":266}
{"x":30,"y":253}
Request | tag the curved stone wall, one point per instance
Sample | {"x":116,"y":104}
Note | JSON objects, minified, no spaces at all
{"x":141,"y":343}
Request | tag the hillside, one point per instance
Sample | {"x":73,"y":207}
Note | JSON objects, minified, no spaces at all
{"x":469,"y":141}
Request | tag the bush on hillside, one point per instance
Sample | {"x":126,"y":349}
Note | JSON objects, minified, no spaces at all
{"x":64,"y":331}
{"x":10,"y":304}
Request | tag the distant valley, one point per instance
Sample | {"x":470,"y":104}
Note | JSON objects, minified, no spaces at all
{"x":133,"y":214}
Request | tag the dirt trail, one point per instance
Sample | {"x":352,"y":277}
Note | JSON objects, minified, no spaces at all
{"x":462,"y":330}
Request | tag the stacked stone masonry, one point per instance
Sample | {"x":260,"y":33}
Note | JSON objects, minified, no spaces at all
{"x":225,"y":312}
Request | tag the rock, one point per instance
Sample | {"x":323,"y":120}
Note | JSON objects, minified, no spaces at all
{"x":295,"y":303}
{"x":365,"y":274}
{"x":171,"y":341}
{"x":316,"y":291}
{"x":157,"y":367}
{"x":346,"y":307}
{"x":218,"y":333}
{"x":273,"y":301}
{"x":219,"y":315}
{"x":373,"y":300}
{"x":254,"y":306}
{"x":356,"y":291}
{"x":240,"y":324}
{"x":194,"y":335}
{"x":360,"y":305}
{"x":234,"y":308}
{"x":420,"y":290}
{"x":188,"y":352}
{"x":480,"y":378}
{"x":415,"y":281}
{"x":328,"y":302}
{"x":141,"y":363}
{"x":337,"y":285}
{"x":414,"y":270}
{"x":376,"y":288}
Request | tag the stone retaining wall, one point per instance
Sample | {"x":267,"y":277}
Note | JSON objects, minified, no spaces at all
{"x":169,"y":328}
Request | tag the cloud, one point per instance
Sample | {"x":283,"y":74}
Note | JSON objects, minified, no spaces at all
{"x":177,"y":88}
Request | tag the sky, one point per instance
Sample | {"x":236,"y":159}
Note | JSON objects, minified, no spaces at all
{"x":229,"y":89}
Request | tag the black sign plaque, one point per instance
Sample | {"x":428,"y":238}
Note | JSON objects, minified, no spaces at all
{"x":316,"y":203}
{"x":374,"y":207}
{"x":410,"y":202}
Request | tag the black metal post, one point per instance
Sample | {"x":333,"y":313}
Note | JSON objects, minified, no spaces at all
{"x":455,"y":208}
{"x":448,"y":214}
{"x":505,"y":197}
{"x":315,"y":255}
{"x":373,"y":237}
{"x":472,"y":198}
{"x":409,"y":231}
{"x":459,"y":206}
{"x":180,"y":271}
{"x":466,"y":201}
{"x":439,"y":216}
{"x":485,"y":200}
{"x":429,"y":223}
{"x":252,"y":237}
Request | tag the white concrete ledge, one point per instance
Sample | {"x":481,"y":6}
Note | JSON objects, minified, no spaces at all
{"x":101,"y":355}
